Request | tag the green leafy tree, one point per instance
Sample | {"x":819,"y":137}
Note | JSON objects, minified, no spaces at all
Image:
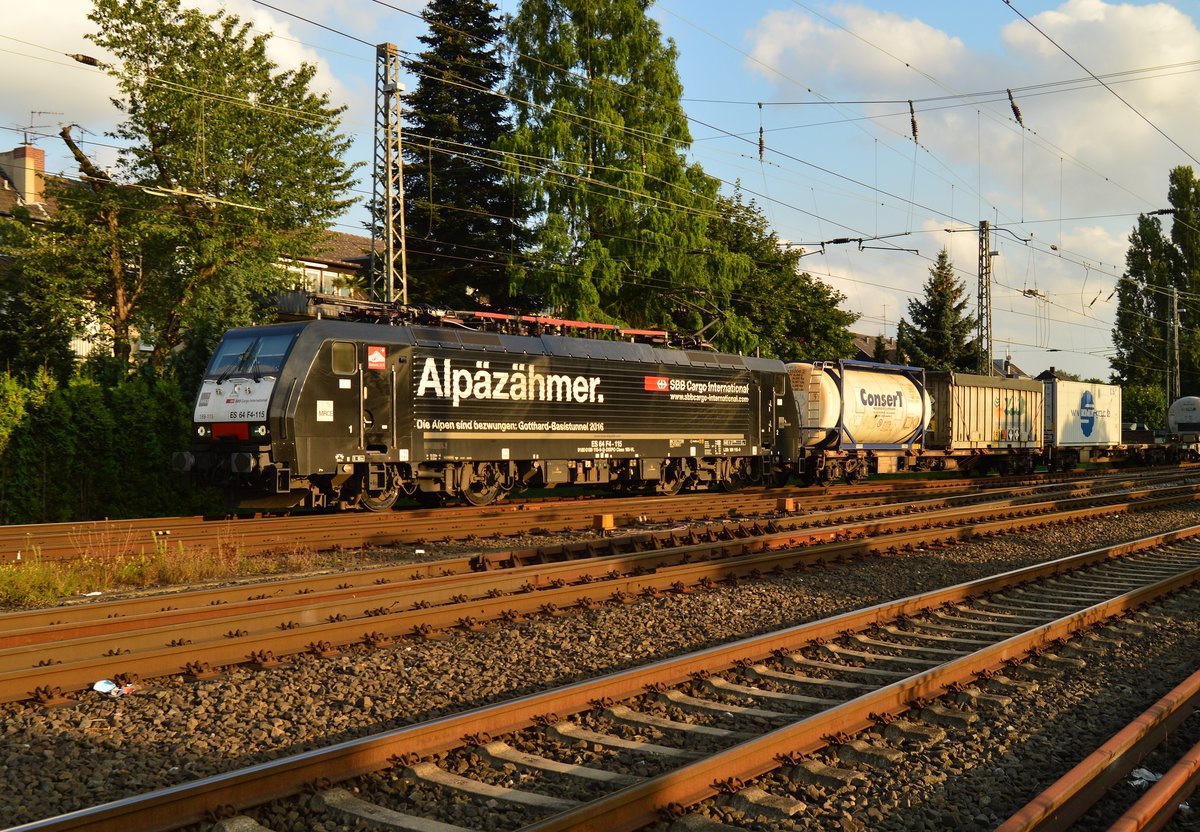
{"x":1143,"y":307}
{"x":465,"y":221}
{"x":777,"y":309}
{"x":40,"y":311}
{"x":228,"y":165}
{"x":1158,"y":265}
{"x":1146,"y":403}
{"x":938,"y":337}
{"x":601,"y":140}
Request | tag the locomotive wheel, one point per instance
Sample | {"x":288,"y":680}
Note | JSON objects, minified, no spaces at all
{"x":482,"y":483}
{"x":479,"y":494}
{"x":380,"y":500}
{"x":672,"y":481}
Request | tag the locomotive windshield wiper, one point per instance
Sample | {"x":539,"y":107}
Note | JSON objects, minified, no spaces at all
{"x":244,"y":364}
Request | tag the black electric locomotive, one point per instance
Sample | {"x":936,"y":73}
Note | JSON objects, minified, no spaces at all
{"x":332,"y":413}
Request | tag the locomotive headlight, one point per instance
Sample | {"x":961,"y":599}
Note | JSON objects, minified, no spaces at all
{"x":260,"y":430}
{"x":203,"y":431}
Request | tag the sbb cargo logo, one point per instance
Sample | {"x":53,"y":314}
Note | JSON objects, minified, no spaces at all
{"x":660,"y":384}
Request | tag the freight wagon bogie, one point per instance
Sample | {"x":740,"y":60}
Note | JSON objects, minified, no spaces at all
{"x":824,"y":468}
{"x":856,"y":419}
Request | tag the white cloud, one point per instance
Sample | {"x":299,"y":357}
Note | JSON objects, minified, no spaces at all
{"x":1082,"y":153}
{"x":42,"y":80}
{"x":45,"y":88}
{"x":795,"y":49}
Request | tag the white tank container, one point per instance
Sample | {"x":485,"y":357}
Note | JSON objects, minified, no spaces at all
{"x":881,"y":407}
{"x":1183,"y":416}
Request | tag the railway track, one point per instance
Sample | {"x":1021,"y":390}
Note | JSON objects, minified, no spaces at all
{"x":47,"y":654}
{"x":1085,"y":785}
{"x":659,"y":739}
{"x":248,"y":535}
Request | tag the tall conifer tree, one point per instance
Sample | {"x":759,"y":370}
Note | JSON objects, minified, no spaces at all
{"x":937,"y":338}
{"x":464,"y":220}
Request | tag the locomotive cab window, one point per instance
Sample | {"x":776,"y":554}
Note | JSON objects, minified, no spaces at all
{"x":345,"y":358}
{"x":250,"y":355}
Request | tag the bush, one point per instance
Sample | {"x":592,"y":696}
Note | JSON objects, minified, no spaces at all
{"x":88,"y":451}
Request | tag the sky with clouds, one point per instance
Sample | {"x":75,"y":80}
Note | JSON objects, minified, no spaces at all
{"x":829,"y":85}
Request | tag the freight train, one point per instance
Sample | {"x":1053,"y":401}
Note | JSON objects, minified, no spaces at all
{"x":344,"y":414}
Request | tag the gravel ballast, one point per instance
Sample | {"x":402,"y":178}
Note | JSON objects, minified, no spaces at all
{"x":172,"y":730}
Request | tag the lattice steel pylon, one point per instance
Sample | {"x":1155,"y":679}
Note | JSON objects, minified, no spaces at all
{"x":1173,"y":390}
{"x":387,"y":203}
{"x":983,"y":338}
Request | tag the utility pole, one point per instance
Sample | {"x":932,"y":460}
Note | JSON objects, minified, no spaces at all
{"x":388,"y":179}
{"x":1173,"y":363}
{"x":983,"y":338}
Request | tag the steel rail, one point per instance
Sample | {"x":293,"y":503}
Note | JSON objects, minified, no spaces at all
{"x":1161,"y":802}
{"x":979,"y":515}
{"x":642,"y":804}
{"x":1066,"y":800}
{"x":252,"y":534}
{"x":272,"y":637}
{"x":26,"y":626}
{"x":97,"y":618}
{"x":175,"y":806}
{"x":110,"y":537}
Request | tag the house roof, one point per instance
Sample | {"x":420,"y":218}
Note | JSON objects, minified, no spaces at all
{"x":1055,"y":375}
{"x":10,"y":199}
{"x":864,"y":346}
{"x":340,"y":248}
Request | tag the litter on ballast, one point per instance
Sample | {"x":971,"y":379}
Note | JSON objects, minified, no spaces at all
{"x":1143,"y":777}
{"x":112,"y":688}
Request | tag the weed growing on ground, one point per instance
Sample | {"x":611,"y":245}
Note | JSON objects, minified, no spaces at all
{"x":39,"y":582}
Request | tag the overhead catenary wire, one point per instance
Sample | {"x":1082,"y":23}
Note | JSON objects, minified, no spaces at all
{"x":772,"y":201}
{"x":1106,"y":86}
{"x":336,"y":31}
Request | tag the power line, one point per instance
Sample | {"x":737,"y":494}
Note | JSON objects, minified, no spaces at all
{"x":1100,"y":81}
{"x":856,"y":183}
